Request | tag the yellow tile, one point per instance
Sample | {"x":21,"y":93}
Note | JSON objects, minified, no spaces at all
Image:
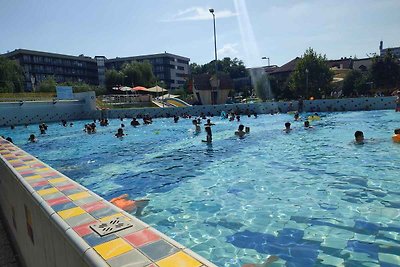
{"x":7,"y":155}
{"x":79,"y":195}
{"x":65,"y":214}
{"x":111,"y":216}
{"x":14,"y":160}
{"x":47,"y":191}
{"x":180,"y":259}
{"x":42,"y":169}
{"x":57,"y":180}
{"x":113,"y":248}
{"x":34,"y":177}
{"x":31,"y":162}
{"x":22,"y":168}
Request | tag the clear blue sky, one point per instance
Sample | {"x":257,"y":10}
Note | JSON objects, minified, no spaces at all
{"x":248,"y":30}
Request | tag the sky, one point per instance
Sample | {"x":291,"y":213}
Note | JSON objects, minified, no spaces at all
{"x":248,"y":30}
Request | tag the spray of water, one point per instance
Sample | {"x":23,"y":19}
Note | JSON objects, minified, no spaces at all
{"x":249,"y":43}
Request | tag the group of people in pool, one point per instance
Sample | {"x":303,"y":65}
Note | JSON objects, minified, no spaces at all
{"x":232,"y":116}
{"x":358,"y":135}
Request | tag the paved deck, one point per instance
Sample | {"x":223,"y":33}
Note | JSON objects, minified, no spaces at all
{"x":7,"y":255}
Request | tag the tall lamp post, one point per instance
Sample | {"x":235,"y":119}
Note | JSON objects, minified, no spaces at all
{"x":215,"y":40}
{"x":215,"y":83}
{"x":266,"y":58}
{"x":306,"y":83}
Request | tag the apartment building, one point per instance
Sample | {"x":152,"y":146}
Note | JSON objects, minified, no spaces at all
{"x":37,"y":65}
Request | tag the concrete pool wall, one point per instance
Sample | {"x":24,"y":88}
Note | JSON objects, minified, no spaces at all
{"x":50,"y":219}
{"x":84,"y":107}
{"x":320,"y":105}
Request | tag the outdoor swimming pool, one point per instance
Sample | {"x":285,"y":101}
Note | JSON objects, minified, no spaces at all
{"x":311,"y":197}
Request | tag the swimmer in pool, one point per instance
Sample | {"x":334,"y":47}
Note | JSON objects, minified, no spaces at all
{"x":197,"y":126}
{"x":240,"y":132}
{"x":296,"y":116}
{"x":359,"y":137}
{"x":32,"y":138}
{"x":120,"y":133}
{"x":287,"y":127}
{"x":209,"y":134}
{"x":307,"y":125}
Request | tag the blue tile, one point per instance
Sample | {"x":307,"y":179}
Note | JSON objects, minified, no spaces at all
{"x":385,"y":264}
{"x":158,"y":250}
{"x":73,"y":191}
{"x":363,"y":247}
{"x":289,"y":245}
{"x":101,"y":213}
{"x":94,"y":239}
{"x":63,"y":206}
{"x":41,"y":187}
{"x":366,"y":228}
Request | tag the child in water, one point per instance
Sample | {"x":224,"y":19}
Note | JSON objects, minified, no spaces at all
{"x":359,"y":137}
{"x":120,"y":133}
{"x":197,"y":126}
{"x":287,"y":127}
{"x":32,"y":138}
{"x":240,"y":132}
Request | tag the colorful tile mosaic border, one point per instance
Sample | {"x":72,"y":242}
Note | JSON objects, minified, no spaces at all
{"x":76,"y":209}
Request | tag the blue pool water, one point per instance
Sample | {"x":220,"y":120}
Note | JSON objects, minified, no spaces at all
{"x":310,"y":197}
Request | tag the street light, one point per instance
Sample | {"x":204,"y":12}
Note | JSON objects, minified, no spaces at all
{"x":215,"y":40}
{"x":306,"y":83}
{"x":214,"y":94}
{"x":266,"y":58}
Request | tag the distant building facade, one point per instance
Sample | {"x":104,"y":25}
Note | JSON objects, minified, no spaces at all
{"x":172,"y":69}
{"x":208,"y":90}
{"x":395,"y":51}
{"x":37,"y":66}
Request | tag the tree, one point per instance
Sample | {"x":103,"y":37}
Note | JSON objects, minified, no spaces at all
{"x":354,"y":84}
{"x":48,"y":85}
{"x":138,"y":74}
{"x":11,"y":76}
{"x":113,"y":78}
{"x":311,"y":76}
{"x":234,"y":67}
{"x":132,"y":74}
{"x":280,"y":88}
{"x":263,"y":87}
{"x":385,"y":71}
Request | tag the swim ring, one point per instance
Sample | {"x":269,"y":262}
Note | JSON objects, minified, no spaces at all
{"x":123,"y":203}
{"x":314,"y":118}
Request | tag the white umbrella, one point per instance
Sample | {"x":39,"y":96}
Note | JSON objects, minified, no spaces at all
{"x":156,"y":89}
{"x":125,"y":89}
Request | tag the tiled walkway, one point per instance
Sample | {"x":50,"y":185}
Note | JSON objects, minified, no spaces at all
{"x":7,"y":255}
{"x":81,"y":209}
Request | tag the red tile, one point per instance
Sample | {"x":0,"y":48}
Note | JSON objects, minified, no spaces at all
{"x":57,"y":201}
{"x":94,"y":206}
{"x":66,"y":187}
{"x":38,"y":165}
{"x":142,"y":237}
{"x":39,"y":183}
{"x":84,"y":229}
{"x":26,"y":172}
{"x":48,"y":173}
